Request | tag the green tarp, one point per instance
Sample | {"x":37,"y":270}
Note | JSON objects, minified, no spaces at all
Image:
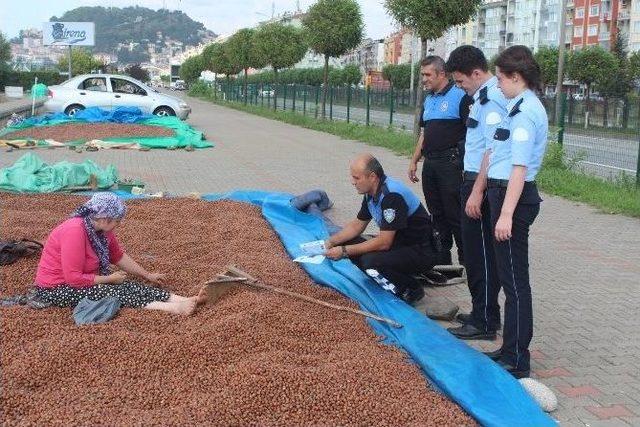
{"x":184,"y":134}
{"x":30,"y":174}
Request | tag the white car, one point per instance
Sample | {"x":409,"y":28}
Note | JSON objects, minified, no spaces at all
{"x":109,"y":91}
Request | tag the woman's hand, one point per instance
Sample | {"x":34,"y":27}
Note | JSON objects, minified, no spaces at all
{"x":503,"y":228}
{"x":157,"y":278}
{"x":117,"y":278}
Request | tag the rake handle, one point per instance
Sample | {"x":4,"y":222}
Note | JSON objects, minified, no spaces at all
{"x":252,"y":281}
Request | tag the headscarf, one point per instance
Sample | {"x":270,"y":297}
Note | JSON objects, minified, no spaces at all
{"x":101,"y":205}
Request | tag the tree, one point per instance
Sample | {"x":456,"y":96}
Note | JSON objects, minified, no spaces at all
{"x":352,"y":74}
{"x":221,"y":62}
{"x":243,"y":54}
{"x":333,"y":27}
{"x":191,"y":68}
{"x":619,"y":83}
{"x":591,"y":65}
{"x":280,"y":46}
{"x":429,"y":19}
{"x":137,"y":72}
{"x":5,"y":50}
{"x":398,"y":75}
{"x":547,"y":59}
{"x":82,"y":62}
{"x":634,"y":65}
{"x":336,"y":77}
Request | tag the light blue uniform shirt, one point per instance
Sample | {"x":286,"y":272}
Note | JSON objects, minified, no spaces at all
{"x":521,"y":138}
{"x":488,"y":110}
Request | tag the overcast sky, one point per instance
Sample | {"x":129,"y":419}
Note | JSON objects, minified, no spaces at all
{"x":220,"y":16}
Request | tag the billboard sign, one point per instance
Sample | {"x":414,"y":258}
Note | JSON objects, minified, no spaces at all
{"x":68,"y":33}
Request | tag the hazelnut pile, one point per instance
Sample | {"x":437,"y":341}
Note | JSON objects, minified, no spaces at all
{"x":87,"y":131}
{"x":253,"y":358}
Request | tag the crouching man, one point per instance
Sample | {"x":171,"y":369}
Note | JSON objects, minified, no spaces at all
{"x":403,"y":248}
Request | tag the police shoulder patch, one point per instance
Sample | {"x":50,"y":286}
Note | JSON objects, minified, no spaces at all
{"x":520,"y":135}
{"x":389,"y":215}
{"x":493,"y":118}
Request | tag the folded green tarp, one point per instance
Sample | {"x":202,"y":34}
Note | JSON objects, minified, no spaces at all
{"x":30,"y":174}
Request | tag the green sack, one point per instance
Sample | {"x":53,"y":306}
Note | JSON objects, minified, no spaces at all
{"x":39,"y":90}
{"x":30,"y":174}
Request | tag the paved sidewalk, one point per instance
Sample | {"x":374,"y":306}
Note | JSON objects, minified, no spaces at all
{"x":585,"y":265}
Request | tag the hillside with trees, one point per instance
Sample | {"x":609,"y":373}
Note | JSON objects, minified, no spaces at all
{"x":115,"y":26}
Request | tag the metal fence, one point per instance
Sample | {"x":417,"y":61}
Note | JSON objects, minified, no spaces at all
{"x":600,"y":136}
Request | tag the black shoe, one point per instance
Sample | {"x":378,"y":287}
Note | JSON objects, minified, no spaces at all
{"x":517,"y":373}
{"x":470,"y":332}
{"x":412,"y":295}
{"x":493,"y":355}
{"x":464,"y":318}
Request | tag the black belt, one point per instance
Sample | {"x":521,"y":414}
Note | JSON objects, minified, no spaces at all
{"x":503,"y":183}
{"x":470,"y":176}
{"x":441,"y":154}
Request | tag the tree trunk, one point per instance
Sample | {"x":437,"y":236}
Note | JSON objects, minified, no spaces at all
{"x":325,"y":79}
{"x":416,"y":117}
{"x":275,"y":89}
{"x":587,"y":105}
{"x":244,"y":87}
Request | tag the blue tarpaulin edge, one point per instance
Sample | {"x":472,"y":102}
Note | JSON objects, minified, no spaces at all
{"x":488,"y":393}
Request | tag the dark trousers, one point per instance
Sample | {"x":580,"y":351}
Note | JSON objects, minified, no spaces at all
{"x":480,"y":263}
{"x":441,"y":181}
{"x":399,"y":264}
{"x":512,"y":259}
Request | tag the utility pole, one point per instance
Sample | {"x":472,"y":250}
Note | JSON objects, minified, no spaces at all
{"x":70,"y":61}
{"x":561,"y":48}
{"x":413,"y":39}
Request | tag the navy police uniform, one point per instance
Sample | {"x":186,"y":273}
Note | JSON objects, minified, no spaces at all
{"x":487,"y":112}
{"x":443,"y":119}
{"x":520,"y":140}
{"x":395,"y":207}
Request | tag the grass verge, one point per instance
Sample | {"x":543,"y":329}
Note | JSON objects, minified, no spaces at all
{"x":557,"y":176}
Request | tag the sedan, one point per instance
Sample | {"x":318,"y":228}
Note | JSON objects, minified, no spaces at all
{"x":109,"y":91}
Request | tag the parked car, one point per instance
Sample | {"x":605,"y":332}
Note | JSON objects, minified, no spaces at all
{"x":179,"y":85}
{"x":267,"y":92}
{"x":109,"y":91}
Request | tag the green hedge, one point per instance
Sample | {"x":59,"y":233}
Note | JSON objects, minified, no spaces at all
{"x":26,"y":78}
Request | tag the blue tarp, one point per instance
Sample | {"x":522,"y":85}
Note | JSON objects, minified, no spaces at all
{"x":488,"y":393}
{"x":92,"y":115}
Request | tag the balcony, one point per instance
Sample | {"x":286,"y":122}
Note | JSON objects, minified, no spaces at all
{"x":623,"y":15}
{"x":604,"y":36}
{"x":605,"y":17}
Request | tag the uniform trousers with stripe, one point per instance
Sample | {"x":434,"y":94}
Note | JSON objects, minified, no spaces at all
{"x":512,"y":259}
{"x":480,"y":263}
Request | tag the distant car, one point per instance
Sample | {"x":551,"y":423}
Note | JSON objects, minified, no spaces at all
{"x":267,"y":92}
{"x":109,"y":91}
{"x":179,"y":85}
{"x":578,"y":96}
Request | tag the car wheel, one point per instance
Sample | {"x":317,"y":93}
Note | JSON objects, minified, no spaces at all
{"x":71,"y":110}
{"x":164,"y":112}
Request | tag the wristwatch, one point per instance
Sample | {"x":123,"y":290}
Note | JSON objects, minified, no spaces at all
{"x":344,"y":252}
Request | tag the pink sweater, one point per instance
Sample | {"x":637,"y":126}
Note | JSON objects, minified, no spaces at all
{"x":68,"y":258}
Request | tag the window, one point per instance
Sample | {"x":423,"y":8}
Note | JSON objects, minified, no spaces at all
{"x":594,"y":10}
{"x":636,"y":27}
{"x":593,"y":30}
{"x":580,"y":12}
{"x":96,"y":84}
{"x":577,"y":31}
{"x":125,"y":86}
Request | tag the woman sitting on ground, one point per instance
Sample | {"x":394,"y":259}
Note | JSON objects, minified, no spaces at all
{"x":76,"y":257}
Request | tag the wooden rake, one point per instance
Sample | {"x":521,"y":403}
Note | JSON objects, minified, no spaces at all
{"x":234,"y":277}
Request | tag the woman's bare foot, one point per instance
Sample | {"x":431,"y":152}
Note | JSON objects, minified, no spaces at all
{"x":202,"y":296}
{"x":186,"y":307}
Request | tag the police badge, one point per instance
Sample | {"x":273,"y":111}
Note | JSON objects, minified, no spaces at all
{"x":444,"y":106}
{"x":389,"y":215}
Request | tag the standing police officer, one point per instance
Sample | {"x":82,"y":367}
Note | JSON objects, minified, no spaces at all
{"x":443,"y":119}
{"x":516,"y":156}
{"x":403,"y":248}
{"x":470,"y":71}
